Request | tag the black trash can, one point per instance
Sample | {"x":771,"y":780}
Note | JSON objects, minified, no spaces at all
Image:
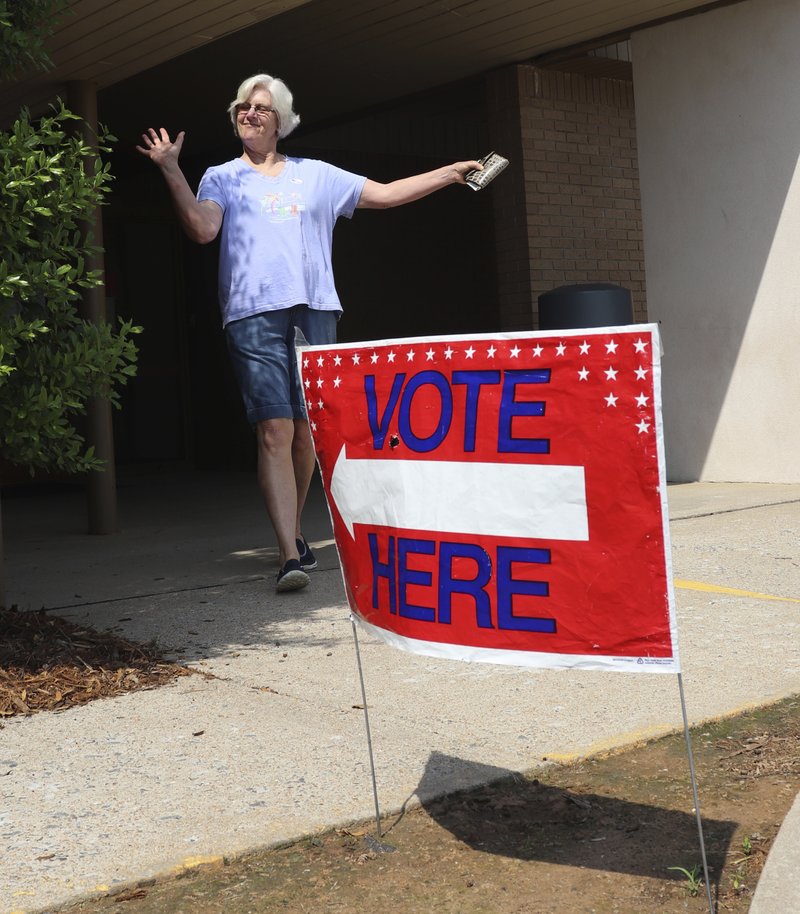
{"x":599,"y":304}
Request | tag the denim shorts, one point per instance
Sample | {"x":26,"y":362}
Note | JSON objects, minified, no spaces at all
{"x":262,"y":353}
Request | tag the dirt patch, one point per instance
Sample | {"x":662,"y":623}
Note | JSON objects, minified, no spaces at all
{"x":49,"y":664}
{"x":610,"y":835}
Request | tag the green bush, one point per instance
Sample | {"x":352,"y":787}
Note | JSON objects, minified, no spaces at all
{"x":24,"y":26}
{"x":51,"y":360}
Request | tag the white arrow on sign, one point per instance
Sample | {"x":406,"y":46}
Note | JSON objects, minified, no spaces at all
{"x":494,"y":499}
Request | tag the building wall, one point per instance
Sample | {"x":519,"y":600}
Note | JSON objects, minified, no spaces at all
{"x":569,"y":212}
{"x":718,"y":116}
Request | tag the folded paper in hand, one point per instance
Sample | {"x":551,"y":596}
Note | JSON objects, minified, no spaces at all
{"x":493,"y":164}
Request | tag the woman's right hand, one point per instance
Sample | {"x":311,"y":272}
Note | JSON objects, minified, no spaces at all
{"x":159,"y":148}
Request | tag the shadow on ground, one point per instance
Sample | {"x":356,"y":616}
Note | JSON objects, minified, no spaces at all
{"x":536,"y":821}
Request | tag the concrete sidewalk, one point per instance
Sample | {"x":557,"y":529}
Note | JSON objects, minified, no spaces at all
{"x":273,"y":747}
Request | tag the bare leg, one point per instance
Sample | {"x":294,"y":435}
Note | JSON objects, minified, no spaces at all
{"x":285,"y":468}
{"x":278,"y":482}
{"x":303,"y":462}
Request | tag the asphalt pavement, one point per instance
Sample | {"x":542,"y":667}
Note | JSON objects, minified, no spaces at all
{"x":273,"y":746}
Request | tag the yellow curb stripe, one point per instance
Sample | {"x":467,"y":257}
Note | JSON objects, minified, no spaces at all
{"x":613,"y":743}
{"x":656,"y":731}
{"x":191,"y":863}
{"x":714,"y":588}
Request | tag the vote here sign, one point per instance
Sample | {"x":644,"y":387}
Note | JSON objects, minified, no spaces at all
{"x":501,"y":497}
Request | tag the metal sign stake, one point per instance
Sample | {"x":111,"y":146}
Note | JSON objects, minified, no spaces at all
{"x":695,"y":795}
{"x":369,"y":735}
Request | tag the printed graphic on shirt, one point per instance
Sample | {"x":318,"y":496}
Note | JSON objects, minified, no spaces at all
{"x":280,"y":207}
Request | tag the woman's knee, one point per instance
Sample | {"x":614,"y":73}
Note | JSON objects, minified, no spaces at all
{"x":275,"y":436}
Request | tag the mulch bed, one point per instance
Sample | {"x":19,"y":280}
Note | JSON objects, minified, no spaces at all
{"x":50,"y":664}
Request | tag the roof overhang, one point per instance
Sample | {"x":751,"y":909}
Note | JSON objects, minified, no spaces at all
{"x":362,"y":51}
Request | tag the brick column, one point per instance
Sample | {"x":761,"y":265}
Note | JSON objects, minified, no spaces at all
{"x":574,"y":203}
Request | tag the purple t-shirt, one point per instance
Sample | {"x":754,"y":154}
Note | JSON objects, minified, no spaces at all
{"x":277,"y":233}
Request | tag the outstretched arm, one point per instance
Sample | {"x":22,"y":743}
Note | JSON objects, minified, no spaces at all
{"x":406,"y":190}
{"x":201,"y":220}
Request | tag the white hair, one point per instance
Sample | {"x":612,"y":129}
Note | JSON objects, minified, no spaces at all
{"x":281,"y":101}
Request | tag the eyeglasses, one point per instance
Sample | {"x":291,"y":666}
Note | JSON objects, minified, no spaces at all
{"x":260,"y":110}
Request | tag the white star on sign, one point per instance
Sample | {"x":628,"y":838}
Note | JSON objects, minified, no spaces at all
{"x":337,"y":359}
{"x":320,"y":382}
{"x":641,"y":373}
{"x":585,"y":347}
{"x":320,"y":361}
{"x":356,"y":358}
{"x":410,"y":355}
{"x":469,"y":353}
{"x":583,"y":374}
{"x":491,"y":351}
{"x":561,"y":349}
{"x":313,"y":426}
{"x":537,"y":351}
{"x":337,"y":381}
{"x":390,"y":356}
{"x":640,"y":345}
{"x":611,"y":400}
{"x":305,"y":363}
{"x":448,"y":353}
{"x":430,"y":355}
{"x":320,"y":404}
{"x":611,"y":347}
{"x":515,"y":352}
{"x":374,"y":357}
{"x":641,"y":400}
{"x":307,"y":383}
{"x":611,"y":374}
{"x":643,"y":427}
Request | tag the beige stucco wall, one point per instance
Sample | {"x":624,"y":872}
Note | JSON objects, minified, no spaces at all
{"x":718,"y":121}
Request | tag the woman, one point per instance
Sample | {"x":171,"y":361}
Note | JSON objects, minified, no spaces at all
{"x":276,"y":215}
